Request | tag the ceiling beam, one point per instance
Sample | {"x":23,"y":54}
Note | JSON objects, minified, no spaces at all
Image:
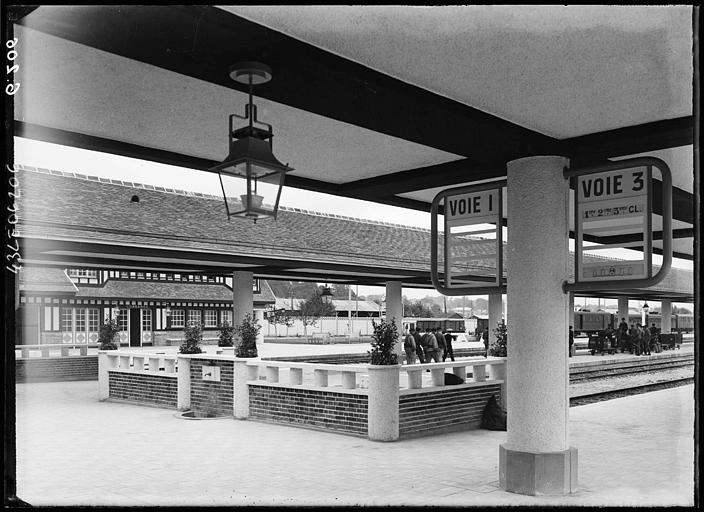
{"x":630,"y":140}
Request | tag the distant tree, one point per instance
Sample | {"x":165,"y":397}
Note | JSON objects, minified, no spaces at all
{"x":280,"y":317}
{"x":416,"y":309}
{"x":312,"y":309}
{"x":680,"y":310}
{"x":436,"y":311}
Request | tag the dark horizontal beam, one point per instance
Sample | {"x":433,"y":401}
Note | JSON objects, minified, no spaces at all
{"x":630,"y":140}
{"x":445,"y":174}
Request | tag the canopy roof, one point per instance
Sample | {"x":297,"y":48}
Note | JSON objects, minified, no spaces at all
{"x":70,"y":220}
{"x":386,"y":103}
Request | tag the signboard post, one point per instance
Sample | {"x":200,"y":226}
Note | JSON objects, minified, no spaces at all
{"x":473,"y":240}
{"x":614,"y":201}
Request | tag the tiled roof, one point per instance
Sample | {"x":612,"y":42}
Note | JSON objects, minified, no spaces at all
{"x":45,"y":279}
{"x":155,"y":290}
{"x":83,"y":207}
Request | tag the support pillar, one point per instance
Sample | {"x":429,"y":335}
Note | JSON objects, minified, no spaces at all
{"x":394,"y":309}
{"x":666,"y":316}
{"x":537,"y":458}
{"x":242,"y":296}
{"x":622,"y":310}
{"x":496,"y":314}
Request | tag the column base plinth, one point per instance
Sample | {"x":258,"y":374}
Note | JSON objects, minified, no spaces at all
{"x":538,"y":473}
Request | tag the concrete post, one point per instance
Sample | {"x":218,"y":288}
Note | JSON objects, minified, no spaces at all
{"x":622,"y":310}
{"x":666,"y":316}
{"x":105,"y":363}
{"x":241,"y":390}
{"x":394,"y":309}
{"x":498,"y":372}
{"x":537,"y":458}
{"x":242,"y":296}
{"x":382,"y":422}
{"x":183,"y":396}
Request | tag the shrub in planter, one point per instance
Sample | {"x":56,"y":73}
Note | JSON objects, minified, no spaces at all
{"x":193,"y":336}
{"x":383,"y":340}
{"x":226,"y":336}
{"x":498,"y":348}
{"x":247,"y":331}
{"x":108,"y":333}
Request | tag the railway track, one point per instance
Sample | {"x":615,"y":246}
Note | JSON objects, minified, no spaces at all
{"x":630,"y":366}
{"x":600,"y":396}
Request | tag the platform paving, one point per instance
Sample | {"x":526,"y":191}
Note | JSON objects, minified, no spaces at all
{"x":74,"y":450}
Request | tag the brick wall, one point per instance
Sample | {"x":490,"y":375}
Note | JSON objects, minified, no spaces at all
{"x":153,"y":389}
{"x":53,"y":369}
{"x":339,"y":412}
{"x":212,"y":397}
{"x":454,"y":408}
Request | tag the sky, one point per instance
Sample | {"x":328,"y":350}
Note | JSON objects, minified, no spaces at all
{"x":63,"y":158}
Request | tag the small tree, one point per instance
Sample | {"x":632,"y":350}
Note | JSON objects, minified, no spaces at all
{"x":226,"y":335}
{"x":383,"y":340}
{"x":312,"y":309}
{"x":193,"y":336}
{"x":248,"y":331}
{"x":280,"y":317}
{"x":498,"y":348}
{"x":108,"y":331}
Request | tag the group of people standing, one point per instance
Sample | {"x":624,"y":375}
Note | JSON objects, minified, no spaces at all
{"x":427,"y":347}
{"x":637,"y":339}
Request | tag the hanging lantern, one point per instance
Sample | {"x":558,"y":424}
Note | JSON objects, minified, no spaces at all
{"x":250,"y":160}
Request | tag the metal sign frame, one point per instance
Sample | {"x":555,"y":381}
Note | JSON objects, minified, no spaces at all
{"x":434,"y":274}
{"x":650,"y":280}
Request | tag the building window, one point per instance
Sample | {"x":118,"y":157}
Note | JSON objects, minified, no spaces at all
{"x":51,"y":318}
{"x":123,"y":319}
{"x":194,"y":316}
{"x":177,"y":318}
{"x":226,"y":316}
{"x":66,"y":319}
{"x":80,"y":320}
{"x":82,"y":272}
{"x":146,"y":320}
{"x":93,"y":320}
{"x":256,"y":287}
{"x":211,"y":318}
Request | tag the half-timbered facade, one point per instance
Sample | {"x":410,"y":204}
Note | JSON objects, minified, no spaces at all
{"x":68,"y":305}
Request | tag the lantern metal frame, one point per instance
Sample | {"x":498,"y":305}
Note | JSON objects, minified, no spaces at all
{"x":252,"y":146}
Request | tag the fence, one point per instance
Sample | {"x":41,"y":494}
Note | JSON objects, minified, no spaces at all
{"x":384,"y":403}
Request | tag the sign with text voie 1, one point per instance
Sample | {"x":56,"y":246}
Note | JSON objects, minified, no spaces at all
{"x":472,"y":236}
{"x":613,"y":203}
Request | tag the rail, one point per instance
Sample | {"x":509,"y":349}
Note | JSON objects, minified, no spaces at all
{"x":478,"y":365}
{"x":139,"y":362}
{"x":53,"y":350}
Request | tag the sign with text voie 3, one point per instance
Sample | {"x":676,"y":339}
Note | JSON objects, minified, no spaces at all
{"x":472,"y":238}
{"x":613,"y":210}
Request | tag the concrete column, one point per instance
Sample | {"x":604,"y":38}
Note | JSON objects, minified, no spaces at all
{"x":259,"y":315}
{"x":241,"y":390}
{"x":666,"y":316}
{"x":242,"y":296}
{"x":622,"y":309}
{"x":105,"y":363}
{"x":496,"y":314}
{"x":570,"y":309}
{"x":537,"y":458}
{"x":183,"y":393}
{"x":394,"y":309}
{"x":382,"y":422}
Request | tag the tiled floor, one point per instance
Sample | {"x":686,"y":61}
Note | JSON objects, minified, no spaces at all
{"x":74,"y":450}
